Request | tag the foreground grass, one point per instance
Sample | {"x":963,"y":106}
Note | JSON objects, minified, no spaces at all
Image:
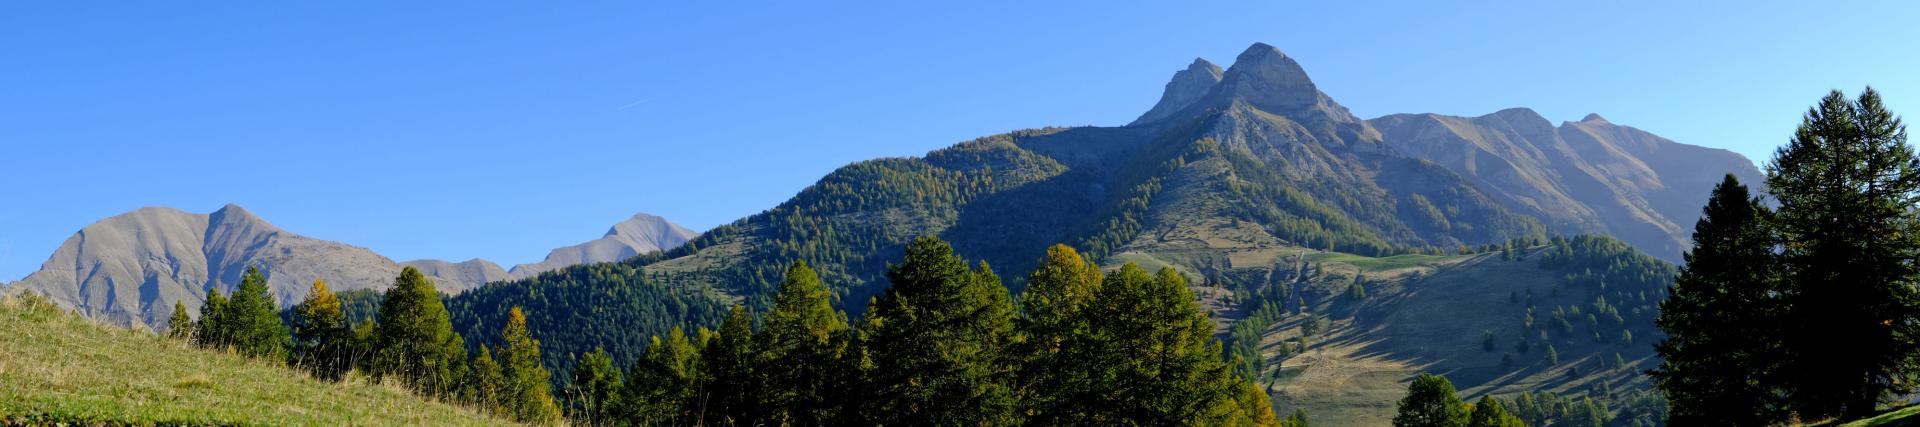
{"x":1908,"y":416}
{"x":56,"y":367}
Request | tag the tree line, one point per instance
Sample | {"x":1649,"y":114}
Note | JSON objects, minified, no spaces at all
{"x":1803,"y":307}
{"x":410,"y":342}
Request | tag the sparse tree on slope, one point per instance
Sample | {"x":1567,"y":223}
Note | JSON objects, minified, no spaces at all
{"x":1431,"y":402}
{"x":1721,"y":319}
{"x":1847,"y":186}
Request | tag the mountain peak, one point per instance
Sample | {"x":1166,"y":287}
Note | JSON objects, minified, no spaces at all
{"x":1270,"y":80}
{"x":1594,"y":117}
{"x":1186,"y":88}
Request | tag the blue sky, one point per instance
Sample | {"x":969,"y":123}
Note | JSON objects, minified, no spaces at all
{"x":503,"y":129}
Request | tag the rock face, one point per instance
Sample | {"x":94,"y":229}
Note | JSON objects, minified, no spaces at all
{"x":1187,"y":87}
{"x":470,"y":271}
{"x":130,"y":269}
{"x":637,"y":235}
{"x":1589,"y":176}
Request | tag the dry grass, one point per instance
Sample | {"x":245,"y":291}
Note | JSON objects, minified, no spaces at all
{"x":56,"y":367}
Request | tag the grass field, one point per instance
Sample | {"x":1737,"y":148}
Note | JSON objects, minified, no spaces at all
{"x":57,"y":368}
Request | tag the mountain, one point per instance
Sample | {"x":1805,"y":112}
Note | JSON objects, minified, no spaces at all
{"x":129,"y":269}
{"x":1266,"y":192}
{"x":637,"y":235}
{"x":1589,"y":176}
{"x":470,"y":271}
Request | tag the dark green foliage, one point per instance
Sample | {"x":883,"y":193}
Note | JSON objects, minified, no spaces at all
{"x":596,"y":381}
{"x":1430,"y":402}
{"x":255,"y":328}
{"x":664,"y":386}
{"x":322,"y":341}
{"x":1057,"y":294}
{"x":1847,"y":185}
{"x":1151,"y":358}
{"x":1721,"y":317}
{"x":733,"y":390}
{"x":211,"y":331}
{"x":577,"y":309}
{"x":413,"y":335}
{"x":938,"y":339}
{"x":485,"y":386}
{"x":180,"y":326}
{"x":1297,"y":419}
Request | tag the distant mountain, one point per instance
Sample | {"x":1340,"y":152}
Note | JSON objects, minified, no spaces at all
{"x":129,"y":269}
{"x":1589,"y":176}
{"x":637,"y":235}
{"x":470,"y":271}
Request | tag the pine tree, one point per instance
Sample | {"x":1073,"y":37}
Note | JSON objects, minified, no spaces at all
{"x":1847,"y":185}
{"x":256,"y":329}
{"x":321,"y":340}
{"x":528,"y":396}
{"x":1488,"y":412}
{"x":1721,"y":318}
{"x":411,"y":338}
{"x":212,"y":329}
{"x":179,"y":326}
{"x":1430,"y":402}
{"x":1057,"y":293}
{"x":595,"y":383}
{"x":802,"y":344}
{"x":733,"y":387}
{"x":938,"y":341}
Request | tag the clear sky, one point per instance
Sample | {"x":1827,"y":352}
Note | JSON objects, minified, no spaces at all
{"x":500,"y":130}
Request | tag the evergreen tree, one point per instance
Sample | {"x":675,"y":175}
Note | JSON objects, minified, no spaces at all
{"x":1430,"y":402}
{"x":1153,"y":357}
{"x":321,"y":340}
{"x":1488,"y":412}
{"x":411,"y":338}
{"x":1720,"y":318}
{"x":938,"y":339}
{"x":1847,"y":185}
{"x":212,"y":329}
{"x":733,"y":387}
{"x":485,"y":386}
{"x":1054,"y":324}
{"x":664,"y":387}
{"x":595,"y":383}
{"x":256,"y":329}
{"x":179,"y":326}
{"x":527,"y":394}
{"x":1297,"y":419}
{"x":802,"y":345}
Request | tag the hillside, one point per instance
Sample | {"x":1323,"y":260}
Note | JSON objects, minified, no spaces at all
{"x":56,"y":367}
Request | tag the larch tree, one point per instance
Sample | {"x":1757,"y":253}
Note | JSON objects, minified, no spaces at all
{"x":321,"y":341}
{"x":1153,"y":357}
{"x":180,"y":326}
{"x":410,"y":340}
{"x":1488,"y":412}
{"x":1054,"y":321}
{"x":665,"y":385}
{"x":1721,"y":319}
{"x":1847,"y":185}
{"x":527,"y":394}
{"x":595,"y":383}
{"x":802,"y":343}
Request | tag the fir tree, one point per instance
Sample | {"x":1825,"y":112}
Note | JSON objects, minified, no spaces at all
{"x":212,"y":328}
{"x":938,"y":339}
{"x":1430,"y":402}
{"x":1847,"y":185}
{"x":733,"y":389}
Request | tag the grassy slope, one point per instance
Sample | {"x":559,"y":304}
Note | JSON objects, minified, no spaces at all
{"x":57,"y":367}
{"x":1908,"y":416}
